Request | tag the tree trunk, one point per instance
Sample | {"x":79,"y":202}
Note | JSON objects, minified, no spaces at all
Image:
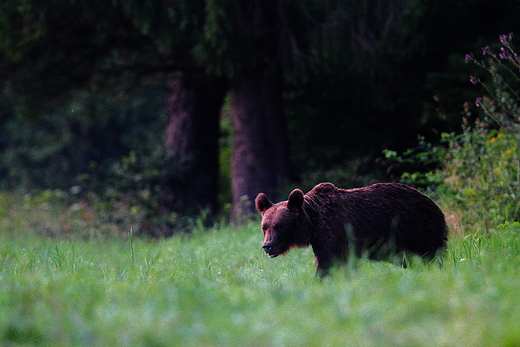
{"x":192,"y":133}
{"x":260,"y":160}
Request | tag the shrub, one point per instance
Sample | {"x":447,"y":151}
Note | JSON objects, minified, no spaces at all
{"x":138,"y":190}
{"x":482,"y":177}
{"x":417,"y":166}
{"x":482,"y":172}
{"x":479,"y":177}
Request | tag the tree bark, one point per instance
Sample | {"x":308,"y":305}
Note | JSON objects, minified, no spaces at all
{"x":260,"y":161}
{"x":192,"y":134}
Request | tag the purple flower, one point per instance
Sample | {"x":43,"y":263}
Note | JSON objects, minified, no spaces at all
{"x":486,"y":50}
{"x":468,"y":58}
{"x":478,"y":102}
{"x":506,"y":39}
{"x":502,"y":54}
{"x":473,"y":79}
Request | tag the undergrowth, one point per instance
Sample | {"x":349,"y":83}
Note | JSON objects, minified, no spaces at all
{"x":476,"y":174}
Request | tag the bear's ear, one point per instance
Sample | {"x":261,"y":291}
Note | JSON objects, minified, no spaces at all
{"x":262,"y":203}
{"x":295,"y":202}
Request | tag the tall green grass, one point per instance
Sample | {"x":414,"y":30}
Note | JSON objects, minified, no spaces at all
{"x":216,"y":288}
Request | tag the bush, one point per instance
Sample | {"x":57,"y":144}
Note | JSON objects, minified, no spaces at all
{"x":140,"y":191}
{"x":477,"y":172}
{"x":482,"y":172}
{"x":482,"y":177}
{"x":416,"y":166}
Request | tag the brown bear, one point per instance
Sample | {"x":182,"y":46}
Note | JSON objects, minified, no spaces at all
{"x":379,"y":222}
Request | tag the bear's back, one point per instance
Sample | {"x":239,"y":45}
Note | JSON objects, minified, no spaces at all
{"x":382,"y":210}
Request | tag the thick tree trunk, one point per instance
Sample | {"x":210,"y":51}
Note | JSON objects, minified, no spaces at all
{"x":260,"y":160}
{"x":192,"y":133}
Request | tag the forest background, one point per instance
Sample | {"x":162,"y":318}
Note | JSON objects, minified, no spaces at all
{"x":149,"y":113}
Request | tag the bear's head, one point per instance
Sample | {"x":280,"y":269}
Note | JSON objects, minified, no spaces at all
{"x":282,"y":223}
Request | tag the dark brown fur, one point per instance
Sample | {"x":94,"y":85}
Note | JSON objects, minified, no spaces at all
{"x":379,"y":221}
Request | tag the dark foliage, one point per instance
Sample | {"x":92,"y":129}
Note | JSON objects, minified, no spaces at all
{"x":356,"y":76}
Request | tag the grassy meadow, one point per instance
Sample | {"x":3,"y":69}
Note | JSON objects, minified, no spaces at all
{"x":217,"y":288}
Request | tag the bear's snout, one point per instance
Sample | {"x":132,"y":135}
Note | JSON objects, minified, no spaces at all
{"x":268,"y":248}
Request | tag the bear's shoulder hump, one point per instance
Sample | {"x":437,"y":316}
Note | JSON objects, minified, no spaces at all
{"x":324,"y":188}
